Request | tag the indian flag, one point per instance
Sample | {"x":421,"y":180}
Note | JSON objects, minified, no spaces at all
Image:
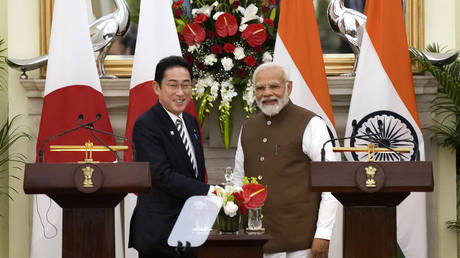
{"x":383,"y":106}
{"x":298,"y":50}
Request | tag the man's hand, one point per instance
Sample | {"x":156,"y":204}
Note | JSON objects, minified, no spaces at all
{"x":319,"y":248}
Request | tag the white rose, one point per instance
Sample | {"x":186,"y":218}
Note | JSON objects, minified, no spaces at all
{"x":210,"y":59}
{"x":230,"y":209}
{"x":239,"y":53}
{"x":267,"y":57}
{"x":227,"y":63}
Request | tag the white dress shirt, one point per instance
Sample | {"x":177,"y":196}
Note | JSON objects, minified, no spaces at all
{"x":314,"y":136}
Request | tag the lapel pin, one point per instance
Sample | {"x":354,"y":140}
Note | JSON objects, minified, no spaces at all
{"x":172,"y":132}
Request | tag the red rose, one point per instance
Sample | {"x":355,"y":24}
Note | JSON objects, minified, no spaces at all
{"x":178,"y":13}
{"x":242,"y":72}
{"x":265,"y":9}
{"x":272,"y":1}
{"x":269,"y":22}
{"x":250,"y":61}
{"x":200,"y":18}
{"x":229,"y":48}
{"x":193,"y":33}
{"x":255,"y":34}
{"x":178,"y":3}
{"x":236,"y":4}
{"x":216,"y":49}
{"x":189,"y":58}
{"x":210,"y":34}
{"x":226,"y":25}
{"x":200,"y":65}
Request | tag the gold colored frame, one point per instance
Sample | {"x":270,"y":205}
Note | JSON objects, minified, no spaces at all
{"x":335,"y":64}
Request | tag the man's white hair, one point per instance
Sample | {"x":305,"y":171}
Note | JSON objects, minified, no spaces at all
{"x":267,"y":66}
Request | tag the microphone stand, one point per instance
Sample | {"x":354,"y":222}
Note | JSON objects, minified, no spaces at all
{"x":41,"y":153}
{"x":90,"y":127}
{"x":117,"y":136}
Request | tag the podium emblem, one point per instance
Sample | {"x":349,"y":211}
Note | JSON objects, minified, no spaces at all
{"x":88,"y":175}
{"x":88,"y":178}
{"x":370,"y":175}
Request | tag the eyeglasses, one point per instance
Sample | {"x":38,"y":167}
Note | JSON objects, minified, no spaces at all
{"x":271,"y":86}
{"x":175,"y":86}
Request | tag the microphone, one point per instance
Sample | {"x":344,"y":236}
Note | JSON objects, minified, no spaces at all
{"x":370,"y":137}
{"x":91,"y":129}
{"x":117,"y":136}
{"x":80,"y":117}
{"x":323,"y":150}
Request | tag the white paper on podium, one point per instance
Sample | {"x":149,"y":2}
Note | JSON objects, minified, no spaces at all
{"x":195,"y":221}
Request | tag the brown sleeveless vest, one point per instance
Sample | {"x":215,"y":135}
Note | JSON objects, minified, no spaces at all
{"x":272,"y":149}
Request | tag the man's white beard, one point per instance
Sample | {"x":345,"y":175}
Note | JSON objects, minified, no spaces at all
{"x":271,"y":110}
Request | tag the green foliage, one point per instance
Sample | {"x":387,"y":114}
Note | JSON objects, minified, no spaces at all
{"x":9,"y":135}
{"x":447,"y":106}
{"x":134,"y":7}
{"x":447,"y":103}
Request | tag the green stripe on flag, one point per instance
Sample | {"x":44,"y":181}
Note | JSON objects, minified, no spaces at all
{"x":400,"y":254}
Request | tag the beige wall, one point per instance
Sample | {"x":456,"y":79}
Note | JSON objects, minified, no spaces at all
{"x":3,"y":115}
{"x":19,"y":21}
{"x":442,"y":25}
{"x":440,"y":22}
{"x":457,"y":24}
{"x":23,"y":37}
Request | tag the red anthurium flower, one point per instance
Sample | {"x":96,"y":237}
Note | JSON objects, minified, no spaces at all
{"x":254,"y":195}
{"x":216,"y":49}
{"x":193,"y":33}
{"x":269,"y":22}
{"x":250,"y":61}
{"x":255,"y":34}
{"x":201,"y":18}
{"x":239,"y":200}
{"x":178,"y":3}
{"x":226,"y":25}
{"x":229,"y":48}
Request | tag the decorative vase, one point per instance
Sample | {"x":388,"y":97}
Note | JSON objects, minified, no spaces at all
{"x":227,"y":224}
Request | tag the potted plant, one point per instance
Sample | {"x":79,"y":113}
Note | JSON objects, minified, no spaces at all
{"x":446,"y":105}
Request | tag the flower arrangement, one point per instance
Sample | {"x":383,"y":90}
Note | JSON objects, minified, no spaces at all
{"x":237,"y":200}
{"x":225,"y":40}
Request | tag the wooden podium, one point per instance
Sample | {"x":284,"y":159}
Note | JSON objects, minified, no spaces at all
{"x":231,"y":246}
{"x":87,"y":192}
{"x":370,"y":192}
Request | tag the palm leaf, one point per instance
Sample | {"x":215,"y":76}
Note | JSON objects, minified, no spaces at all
{"x":9,"y":135}
{"x":447,"y":103}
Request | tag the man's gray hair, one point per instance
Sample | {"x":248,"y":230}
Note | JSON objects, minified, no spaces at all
{"x":267,"y":66}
